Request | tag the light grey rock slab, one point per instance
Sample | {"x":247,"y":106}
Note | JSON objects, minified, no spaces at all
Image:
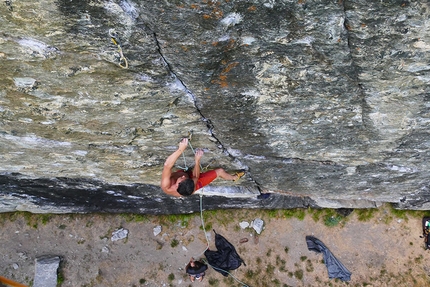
{"x":45,"y":274}
{"x":24,"y":82}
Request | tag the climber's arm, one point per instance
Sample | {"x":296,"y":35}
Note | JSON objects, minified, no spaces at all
{"x":167,"y":168}
{"x":196,"y":169}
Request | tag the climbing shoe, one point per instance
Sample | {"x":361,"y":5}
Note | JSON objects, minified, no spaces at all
{"x":239,"y":175}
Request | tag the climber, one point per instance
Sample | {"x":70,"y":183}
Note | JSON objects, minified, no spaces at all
{"x":196,"y":270}
{"x":184,"y":183}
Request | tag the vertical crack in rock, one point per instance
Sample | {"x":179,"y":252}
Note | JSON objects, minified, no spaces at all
{"x":208,"y":122}
{"x":355,"y":72}
{"x":187,"y":91}
{"x":346,"y":26}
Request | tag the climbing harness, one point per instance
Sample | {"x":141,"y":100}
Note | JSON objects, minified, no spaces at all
{"x":123,"y":63}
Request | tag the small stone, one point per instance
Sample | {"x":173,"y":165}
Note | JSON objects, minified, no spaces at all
{"x":119,"y":234}
{"x":244,"y":224}
{"x":159,"y":245}
{"x":22,"y":255}
{"x":25,"y":82}
{"x":257,"y":224}
{"x":184,"y":248}
{"x":157,"y":230}
{"x":105,"y":249}
{"x":243,"y":240}
{"x":15,"y":266}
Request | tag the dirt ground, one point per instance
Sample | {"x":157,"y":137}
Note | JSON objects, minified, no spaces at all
{"x":381,"y":251}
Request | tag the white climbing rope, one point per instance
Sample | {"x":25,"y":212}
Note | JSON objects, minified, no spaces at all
{"x":185,"y":167}
{"x":203,"y":222}
{"x":207,"y":246}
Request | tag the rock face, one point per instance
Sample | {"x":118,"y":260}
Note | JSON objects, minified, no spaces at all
{"x":324,"y":103}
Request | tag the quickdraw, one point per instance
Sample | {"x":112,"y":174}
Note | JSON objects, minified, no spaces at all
{"x":123,"y":63}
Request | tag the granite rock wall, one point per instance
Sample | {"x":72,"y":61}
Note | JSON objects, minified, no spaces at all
{"x":324,"y":103}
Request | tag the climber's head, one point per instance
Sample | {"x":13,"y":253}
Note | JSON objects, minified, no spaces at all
{"x":185,"y":186}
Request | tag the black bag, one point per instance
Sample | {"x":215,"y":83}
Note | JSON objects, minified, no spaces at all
{"x":225,"y":258}
{"x":334,"y":267}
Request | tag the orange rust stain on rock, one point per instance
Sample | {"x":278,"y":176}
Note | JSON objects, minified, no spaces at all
{"x":229,"y":67}
{"x":223,"y":84}
{"x":252,"y":8}
{"x":222,"y":78}
{"x":217,"y":13}
{"x":210,"y":3}
{"x":229,"y":45}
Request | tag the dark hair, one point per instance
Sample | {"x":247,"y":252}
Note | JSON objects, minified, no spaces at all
{"x":199,"y":267}
{"x":186,"y":187}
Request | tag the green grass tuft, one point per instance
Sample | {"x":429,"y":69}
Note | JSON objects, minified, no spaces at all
{"x":213,"y":282}
{"x":331,"y":221}
{"x":365,"y":214}
{"x":298,"y":213}
{"x":298,"y":274}
{"x":174,"y":243}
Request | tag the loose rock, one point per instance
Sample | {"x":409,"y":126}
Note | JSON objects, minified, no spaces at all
{"x":46,"y":271}
{"x":119,"y":234}
{"x":244,"y":224}
{"x":157,"y":230}
{"x":257,"y":224}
